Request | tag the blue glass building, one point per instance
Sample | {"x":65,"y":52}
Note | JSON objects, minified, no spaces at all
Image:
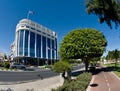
{"x":34,"y":44}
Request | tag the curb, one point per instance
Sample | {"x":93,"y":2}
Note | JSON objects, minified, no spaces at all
{"x":18,"y":82}
{"x":89,"y":87}
{"x":115,"y":75}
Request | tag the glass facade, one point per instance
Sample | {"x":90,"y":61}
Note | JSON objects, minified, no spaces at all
{"x":49,"y":48}
{"x":44,"y":47}
{"x":26,"y":43}
{"x":21,"y":43}
{"x":32,"y":44}
{"x":35,"y":44}
{"x":38,"y":46}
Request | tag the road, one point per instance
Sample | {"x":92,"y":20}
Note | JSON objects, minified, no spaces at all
{"x":11,"y":76}
{"x":6,"y":76}
{"x":104,"y":80}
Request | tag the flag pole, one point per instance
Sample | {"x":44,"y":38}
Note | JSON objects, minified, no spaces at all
{"x":28,"y":15}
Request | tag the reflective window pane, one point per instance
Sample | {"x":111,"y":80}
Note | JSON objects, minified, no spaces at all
{"x":44,"y":46}
{"x":32,"y":44}
{"x":21,"y":43}
{"x":26,"y":43}
{"x":38,"y":46}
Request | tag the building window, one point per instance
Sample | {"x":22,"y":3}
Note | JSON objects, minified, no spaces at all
{"x":48,"y":48}
{"x":38,"y":46}
{"x":32,"y":44}
{"x":53,"y":46}
{"x":44,"y":46}
{"x":56,"y":46}
{"x":21,"y":43}
{"x":32,"y":28}
{"x":48,"y":42}
{"x":49,"y":54}
{"x":53,"y":55}
{"x":26,"y":43}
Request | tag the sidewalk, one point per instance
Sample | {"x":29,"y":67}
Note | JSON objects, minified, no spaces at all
{"x":39,"y":85}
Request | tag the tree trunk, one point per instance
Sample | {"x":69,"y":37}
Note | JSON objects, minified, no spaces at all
{"x":86,"y":65}
{"x":115,"y":63}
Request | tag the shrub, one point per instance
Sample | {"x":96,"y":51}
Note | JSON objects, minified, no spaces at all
{"x":62,"y":66}
{"x":80,"y":84}
{"x":6,"y":64}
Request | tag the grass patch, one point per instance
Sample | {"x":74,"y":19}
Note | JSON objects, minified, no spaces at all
{"x":8,"y":69}
{"x":112,"y":67}
{"x":117,"y":73}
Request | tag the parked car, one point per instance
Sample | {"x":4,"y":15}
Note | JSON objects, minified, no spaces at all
{"x":18,"y":66}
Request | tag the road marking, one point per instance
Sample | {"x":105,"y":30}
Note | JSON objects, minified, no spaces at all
{"x":108,"y":85}
{"x":109,"y":89}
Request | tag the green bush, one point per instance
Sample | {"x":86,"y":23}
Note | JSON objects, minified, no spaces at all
{"x":6,"y":65}
{"x":62,"y":66}
{"x":80,"y":84}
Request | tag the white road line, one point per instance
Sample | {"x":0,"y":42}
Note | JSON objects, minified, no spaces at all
{"x":109,"y":89}
{"x":107,"y":82}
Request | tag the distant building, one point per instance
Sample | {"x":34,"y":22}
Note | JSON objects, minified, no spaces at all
{"x":12,"y":51}
{"x":2,"y":56}
{"x":34,"y":44}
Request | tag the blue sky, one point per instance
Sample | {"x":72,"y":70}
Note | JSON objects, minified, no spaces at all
{"x":61,"y":16}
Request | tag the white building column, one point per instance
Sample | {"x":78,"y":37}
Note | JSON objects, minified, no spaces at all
{"x":41,"y":47}
{"x":54,"y":49}
{"x":46,"y":48}
{"x":51,"y":49}
{"x":29,"y":44}
{"x":23,"y":43}
{"x":35,"y":44}
{"x":16,"y":44}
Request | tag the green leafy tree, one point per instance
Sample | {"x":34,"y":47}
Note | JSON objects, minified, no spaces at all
{"x":83,"y":44}
{"x":108,"y":11}
{"x":113,"y":55}
{"x":116,"y":56}
{"x":62,"y":67}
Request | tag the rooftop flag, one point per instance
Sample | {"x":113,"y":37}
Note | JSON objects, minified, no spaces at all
{"x":29,"y":12}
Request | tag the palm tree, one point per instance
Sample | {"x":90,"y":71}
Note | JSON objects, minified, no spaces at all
{"x":108,"y":11}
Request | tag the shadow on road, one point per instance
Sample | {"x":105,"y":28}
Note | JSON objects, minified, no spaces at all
{"x":76,"y":73}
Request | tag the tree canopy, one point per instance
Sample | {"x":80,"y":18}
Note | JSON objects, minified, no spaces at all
{"x":108,"y":11}
{"x":83,"y":43}
{"x":113,"y":54}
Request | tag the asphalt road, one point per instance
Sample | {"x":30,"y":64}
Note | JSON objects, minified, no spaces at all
{"x":25,"y":76}
{"x":11,"y":76}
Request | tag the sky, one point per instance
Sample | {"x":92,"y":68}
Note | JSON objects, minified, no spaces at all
{"x":61,"y":16}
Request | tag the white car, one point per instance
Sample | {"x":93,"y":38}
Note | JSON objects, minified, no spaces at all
{"x":18,"y":66}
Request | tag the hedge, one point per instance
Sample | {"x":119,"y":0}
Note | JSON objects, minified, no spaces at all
{"x":80,"y":84}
